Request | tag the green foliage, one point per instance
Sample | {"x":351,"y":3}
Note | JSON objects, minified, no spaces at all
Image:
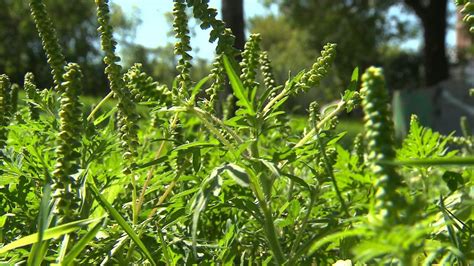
{"x":199,"y":186}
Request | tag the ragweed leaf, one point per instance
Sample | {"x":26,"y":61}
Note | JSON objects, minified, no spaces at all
{"x":239,"y":91}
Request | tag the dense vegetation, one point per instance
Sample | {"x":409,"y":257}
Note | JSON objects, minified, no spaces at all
{"x":172,"y":175}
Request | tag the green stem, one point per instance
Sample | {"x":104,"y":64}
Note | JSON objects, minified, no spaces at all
{"x":134,"y":199}
{"x":300,"y":233}
{"x":141,"y":199}
{"x":269,"y":105}
{"x":272,"y":237}
{"x":330,"y":172}
{"x":213,"y":130}
{"x":97,"y":107}
{"x":339,"y":108}
{"x":219,"y":122}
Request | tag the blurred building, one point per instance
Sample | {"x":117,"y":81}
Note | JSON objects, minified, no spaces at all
{"x":441,"y":106}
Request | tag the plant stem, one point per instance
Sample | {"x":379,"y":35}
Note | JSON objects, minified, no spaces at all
{"x":330,"y":172}
{"x":149,"y":175}
{"x":339,"y":108}
{"x":272,"y":236}
{"x":218,"y":121}
{"x":301,"y":231}
{"x":97,"y":107}
{"x":269,"y":105}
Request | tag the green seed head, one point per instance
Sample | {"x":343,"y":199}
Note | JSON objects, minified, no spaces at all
{"x":218,"y":82}
{"x":143,"y":88}
{"x":50,"y":40}
{"x":380,"y":144}
{"x":5,"y":108}
{"x":181,"y":48}
{"x":250,"y":60}
{"x":267,"y":73}
{"x":32,"y":94}
{"x":69,"y":142}
{"x":319,"y":69}
{"x":208,"y":18}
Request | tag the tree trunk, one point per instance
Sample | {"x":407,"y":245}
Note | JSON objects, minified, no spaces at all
{"x":433,"y":18}
{"x":233,"y":16}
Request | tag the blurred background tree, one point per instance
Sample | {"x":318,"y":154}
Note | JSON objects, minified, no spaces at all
{"x":363,"y":30}
{"x":75,"y":22}
{"x":367,"y":32}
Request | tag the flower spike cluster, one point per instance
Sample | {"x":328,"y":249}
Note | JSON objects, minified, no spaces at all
{"x":5,"y":116}
{"x":14,"y":98}
{"x":32,"y":95}
{"x":66,"y":185}
{"x":380,"y":144}
{"x":127,"y":115}
{"x":208,"y":16}
{"x":50,"y":40}
{"x":314,"y":116}
{"x":250,"y":61}
{"x":181,"y":48}
{"x":267,"y":72}
{"x":218,"y":78}
{"x":319,"y":69}
{"x":143,"y":88}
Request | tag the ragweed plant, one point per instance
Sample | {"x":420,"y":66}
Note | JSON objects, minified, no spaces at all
{"x":207,"y":184}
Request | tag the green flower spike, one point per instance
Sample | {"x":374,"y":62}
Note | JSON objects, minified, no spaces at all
{"x":108,"y":46}
{"x":32,"y":95}
{"x":143,"y":88}
{"x":319,"y":69}
{"x":14,"y":99}
{"x":127,"y":115}
{"x":207,"y":15}
{"x":358,"y":148}
{"x":5,"y":116}
{"x":250,"y":60}
{"x":380,"y":144}
{"x":267,"y":73}
{"x":50,"y":40}
{"x":181,"y":48}
{"x":66,"y":185}
{"x":218,"y":78}
{"x":314,"y":116}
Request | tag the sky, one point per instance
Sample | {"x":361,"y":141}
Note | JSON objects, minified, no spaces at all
{"x":154,"y":29}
